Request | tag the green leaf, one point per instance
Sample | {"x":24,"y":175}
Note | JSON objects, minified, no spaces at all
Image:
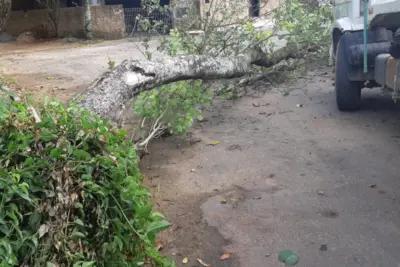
{"x":55,"y":153}
{"x":81,"y":154}
{"x":32,"y":243}
{"x":104,"y":249}
{"x":47,"y":136}
{"x":88,"y":263}
{"x":23,"y":195}
{"x":156,"y":227}
{"x":34,"y":220}
{"x":144,"y":211}
{"x":28,"y":162}
{"x":179,"y":128}
{"x":13,"y":217}
{"x":77,"y":235}
{"x":118,"y":242}
{"x":86,"y":124}
{"x":79,"y":222}
{"x":4,"y":229}
{"x":158,"y":215}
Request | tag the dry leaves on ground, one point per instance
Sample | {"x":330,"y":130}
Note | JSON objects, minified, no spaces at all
{"x":203,"y":263}
{"x":226,"y":255}
{"x":213,"y":143}
{"x":159,"y":245}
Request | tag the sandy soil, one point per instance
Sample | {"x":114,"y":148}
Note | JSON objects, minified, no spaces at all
{"x":59,"y":69}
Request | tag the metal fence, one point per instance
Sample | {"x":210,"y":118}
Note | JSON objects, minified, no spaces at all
{"x":154,"y":23}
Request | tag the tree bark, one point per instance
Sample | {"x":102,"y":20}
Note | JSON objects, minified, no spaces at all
{"x":5,"y":9}
{"x":108,"y":94}
{"x":88,"y":20}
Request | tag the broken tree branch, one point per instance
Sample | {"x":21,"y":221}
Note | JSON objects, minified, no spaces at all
{"x":114,"y":88}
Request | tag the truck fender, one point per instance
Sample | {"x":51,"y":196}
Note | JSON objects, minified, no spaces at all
{"x":336,"y":35}
{"x":340,"y":26}
{"x":343,"y":24}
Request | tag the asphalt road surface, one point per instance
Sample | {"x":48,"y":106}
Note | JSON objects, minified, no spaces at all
{"x":288,"y":173}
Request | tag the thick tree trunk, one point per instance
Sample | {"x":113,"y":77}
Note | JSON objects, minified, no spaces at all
{"x":5,"y":9}
{"x":107,"y":95}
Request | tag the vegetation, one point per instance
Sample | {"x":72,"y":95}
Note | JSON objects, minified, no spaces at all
{"x":71,"y":192}
{"x":175,"y":105}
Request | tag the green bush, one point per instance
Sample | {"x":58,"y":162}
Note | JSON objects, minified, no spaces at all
{"x":71,"y":192}
{"x":178,"y":104}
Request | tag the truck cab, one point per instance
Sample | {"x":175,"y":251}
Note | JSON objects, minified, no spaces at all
{"x":365,"y":48}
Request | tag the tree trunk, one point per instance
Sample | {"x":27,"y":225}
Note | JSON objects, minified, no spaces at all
{"x":88,"y":20}
{"x":5,"y":9}
{"x":113,"y":89}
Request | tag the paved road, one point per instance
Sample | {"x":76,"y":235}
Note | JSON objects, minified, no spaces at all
{"x":293,"y":177}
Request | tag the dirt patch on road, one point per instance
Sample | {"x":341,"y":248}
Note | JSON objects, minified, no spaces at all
{"x":40,"y":85}
{"x":10,"y":48}
{"x":63,"y":69}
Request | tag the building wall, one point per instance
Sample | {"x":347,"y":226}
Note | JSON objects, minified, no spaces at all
{"x":240,"y":8}
{"x":219,"y":10}
{"x":268,"y":5}
{"x":107,"y":22}
{"x":186,"y":13}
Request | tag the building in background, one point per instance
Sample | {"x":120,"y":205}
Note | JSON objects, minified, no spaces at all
{"x":26,"y":15}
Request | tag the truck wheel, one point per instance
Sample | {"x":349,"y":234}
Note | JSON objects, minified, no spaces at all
{"x":348,"y":93}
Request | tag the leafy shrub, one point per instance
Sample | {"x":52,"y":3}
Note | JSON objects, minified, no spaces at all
{"x":177,"y":103}
{"x":71,"y":192}
{"x":306,"y":26}
{"x":4,"y":81}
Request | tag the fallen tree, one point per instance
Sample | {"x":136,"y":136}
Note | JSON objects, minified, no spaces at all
{"x":132,"y":77}
{"x":225,"y":50}
{"x":230,"y":47}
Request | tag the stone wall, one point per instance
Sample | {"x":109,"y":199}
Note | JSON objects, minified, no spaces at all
{"x":267,"y":6}
{"x":107,"y":21}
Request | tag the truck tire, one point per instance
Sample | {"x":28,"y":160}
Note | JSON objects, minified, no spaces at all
{"x":348,"y":93}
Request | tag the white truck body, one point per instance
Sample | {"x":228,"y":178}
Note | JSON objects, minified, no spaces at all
{"x":367,"y":57}
{"x":348,"y":14}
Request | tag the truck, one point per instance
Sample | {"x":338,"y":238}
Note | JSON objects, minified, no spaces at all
{"x":365,"y":49}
